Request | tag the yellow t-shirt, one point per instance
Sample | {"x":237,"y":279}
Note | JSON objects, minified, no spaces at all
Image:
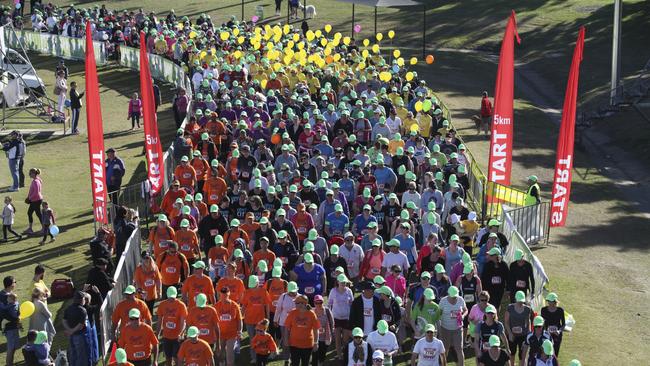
{"x":401,"y":113}
{"x":393,"y":145}
{"x":425,"y":125}
{"x":406,"y":125}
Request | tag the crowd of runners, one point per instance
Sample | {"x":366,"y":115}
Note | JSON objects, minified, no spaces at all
{"x":317,"y":214}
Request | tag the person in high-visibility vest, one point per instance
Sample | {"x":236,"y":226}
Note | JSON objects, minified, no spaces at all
{"x":532,"y":193}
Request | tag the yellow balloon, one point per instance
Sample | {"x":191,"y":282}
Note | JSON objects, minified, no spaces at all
{"x":379,"y":36}
{"x":418,"y":106}
{"x":277,"y":30}
{"x":409,"y":76}
{"x":391,"y":34}
{"x":287,"y":60}
{"x":318,"y":33}
{"x":303,"y":62}
{"x":301,"y":45}
{"x":327,"y":51}
{"x":277,"y":38}
{"x":238,"y":54}
{"x":296,"y":37}
{"x":192,"y":34}
{"x":338,"y":35}
{"x":366,"y":42}
{"x":362,"y":65}
{"x":385,"y":75}
{"x":346,"y":40}
{"x":202,"y":54}
{"x":310,"y":35}
{"x":26,"y":309}
{"x":365,"y":53}
{"x":241,"y":39}
{"x":328,"y":28}
{"x":375,"y":48}
{"x":323,"y":42}
{"x":263,"y":83}
{"x":290,"y":44}
{"x":396,"y":53}
{"x":337,"y":57}
{"x":224,"y":36}
{"x":414,"y":127}
{"x":180,"y":26}
{"x":414,"y":60}
{"x":257,"y":45}
{"x":235,"y":32}
{"x":270,"y":45}
{"x":277,"y":66}
{"x":400,"y":62}
{"x":286,"y":29}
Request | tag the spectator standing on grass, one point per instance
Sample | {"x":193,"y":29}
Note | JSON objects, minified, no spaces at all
{"x":34,"y":199}
{"x":60,"y":90}
{"x":41,"y":320}
{"x":179,"y":106}
{"x":11,"y":313}
{"x":115,"y":170}
{"x":8,"y":215}
{"x":75,"y":105}
{"x":135,"y":110}
{"x":48,"y":219}
{"x":486,"y":114}
{"x":157,"y":100}
{"x":12,"y":150}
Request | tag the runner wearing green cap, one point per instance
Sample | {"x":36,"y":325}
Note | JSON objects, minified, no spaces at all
{"x":172,"y":314}
{"x":486,"y":329}
{"x":195,"y":351}
{"x":521,"y":276}
{"x":340,"y":301}
{"x":533,"y":344}
{"x":425,"y":311}
{"x":547,"y":357}
{"x":383,"y":339}
{"x":310,"y":277}
{"x":358,"y":351}
{"x":517,"y":323}
{"x":138,"y":340}
{"x":554,"y":320}
{"x":429,"y":350}
{"x":451,"y":324}
{"x":495,"y":355}
{"x":494,"y":277}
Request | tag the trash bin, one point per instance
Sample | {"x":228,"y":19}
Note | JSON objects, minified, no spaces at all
{"x":259,"y":11}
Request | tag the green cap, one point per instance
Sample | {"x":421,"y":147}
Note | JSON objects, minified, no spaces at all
{"x":309,"y":258}
{"x":538,"y":321}
{"x":430,"y":328}
{"x":382,"y":326}
{"x":308,"y":247}
{"x":264,"y":220}
{"x":214,"y":208}
{"x":201,"y":300}
{"x":276,"y":272}
{"x":313,"y":234}
{"x":234,"y":222}
{"x":342,"y":278}
{"x":468,"y":268}
{"x":547,"y":345}
{"x":454,"y":238}
{"x":186,"y":210}
{"x":357,"y":332}
{"x":253,"y":281}
{"x":338,"y":207}
{"x":575,"y":363}
{"x":282,"y":234}
{"x":494,"y":222}
{"x":494,"y":251}
{"x":393,"y":243}
{"x":519,"y":254}
{"x":429,"y":294}
{"x":552,"y":296}
{"x":185,"y":223}
{"x":172,"y":292}
{"x":292,"y":287}
{"x":199,"y":265}
{"x":41,"y":337}
{"x":439,"y":268}
{"x":263,"y":266}
{"x":379,"y":280}
{"x":452,"y":291}
{"x":134,"y":314}
{"x":120,"y":355}
{"x":277,"y":263}
{"x":334,"y":249}
{"x":411,"y":205}
{"x":404,"y":215}
{"x":162,"y":218}
{"x":490,"y":309}
{"x":495,"y":341}
{"x":371,"y":224}
{"x":520,"y":296}
{"x":532,"y":178}
{"x":192,"y":332}
{"x":376,"y":242}
{"x":218,"y":239}
{"x":129,"y":290}
{"x":425,"y":274}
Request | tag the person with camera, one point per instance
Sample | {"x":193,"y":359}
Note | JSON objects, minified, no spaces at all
{"x":15,"y":151}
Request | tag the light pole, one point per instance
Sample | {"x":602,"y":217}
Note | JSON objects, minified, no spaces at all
{"x":616,"y":52}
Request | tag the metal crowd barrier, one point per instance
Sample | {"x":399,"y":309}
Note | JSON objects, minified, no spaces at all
{"x":532,"y":222}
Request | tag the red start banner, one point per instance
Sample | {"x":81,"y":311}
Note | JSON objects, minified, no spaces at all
{"x":564,"y":159}
{"x":500,"y":160}
{"x":95,"y":133}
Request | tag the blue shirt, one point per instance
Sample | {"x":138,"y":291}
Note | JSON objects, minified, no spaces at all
{"x":385,"y":175}
{"x":338,"y":224}
{"x":326,"y":150}
{"x":347,"y":187}
{"x":362,"y":223}
{"x":406,"y":245}
{"x":114,"y":168}
{"x":310,"y":283}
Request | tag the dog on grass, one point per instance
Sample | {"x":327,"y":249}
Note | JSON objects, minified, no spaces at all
{"x":310,"y":10}
{"x":478,"y":122}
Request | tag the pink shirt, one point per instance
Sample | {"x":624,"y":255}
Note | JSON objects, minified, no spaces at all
{"x":397,"y":284}
{"x":35,"y":193}
{"x":476,"y":314}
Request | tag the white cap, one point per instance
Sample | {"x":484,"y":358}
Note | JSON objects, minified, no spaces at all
{"x":454,"y":219}
{"x":378,"y":354}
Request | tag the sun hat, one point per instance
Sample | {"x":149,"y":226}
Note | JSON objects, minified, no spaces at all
{"x":495,"y":341}
{"x":201,"y":300}
{"x":552,"y":296}
{"x":357,"y":332}
{"x":192,"y":332}
{"x":309,"y":258}
{"x":425,"y":274}
{"x":538,"y":321}
{"x":134,"y":314}
{"x":129,"y":290}
{"x":292,"y":287}
{"x":429,"y":294}
{"x":172,"y":293}
{"x":520,"y":296}
{"x":334,"y":249}
{"x":378,"y":280}
{"x":439,"y":268}
{"x":452,"y":291}
{"x":198,"y":265}
{"x":490,"y":309}
{"x":253,"y":281}
{"x":382,"y":327}
{"x":430,"y":328}
{"x":342,"y":278}
{"x":519,"y":254}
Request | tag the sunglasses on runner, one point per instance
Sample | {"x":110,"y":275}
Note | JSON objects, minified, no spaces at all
{"x":483,"y":300}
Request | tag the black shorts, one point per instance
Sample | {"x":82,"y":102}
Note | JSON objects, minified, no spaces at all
{"x":342,"y":323}
{"x":517,"y":342}
{"x":170,"y":347}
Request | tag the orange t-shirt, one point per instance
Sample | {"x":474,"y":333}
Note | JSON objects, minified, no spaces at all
{"x":203,"y":208}
{"x":303,"y":224}
{"x":195,"y":285}
{"x":300,"y":327}
{"x":188,"y":243}
{"x":214,"y":189}
{"x":231,"y":235}
{"x":218,"y":256}
{"x":263,"y":344}
{"x":233,"y":171}
{"x":195,"y":353}
{"x":235,"y":285}
{"x":171,"y":268}
{"x":255,"y":303}
{"x":229,"y":318}
{"x":170,"y":198}
{"x":137,"y":341}
{"x":207,"y":320}
{"x":158,"y":238}
{"x":147,"y":280}
{"x":172,"y":314}
{"x":250,"y":230}
{"x":275,"y":287}
{"x":266,"y":255}
{"x":121,"y":311}
{"x":186,"y":175}
{"x":201,"y":167}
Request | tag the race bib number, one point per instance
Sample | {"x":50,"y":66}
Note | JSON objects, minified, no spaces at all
{"x":309,"y":290}
{"x":552,"y":329}
{"x":164,"y":244}
{"x":185,"y":247}
{"x":187,"y":175}
{"x":140,"y":354}
{"x":453,"y":314}
{"x":225,"y":317}
{"x":214,"y":232}
{"x":149,"y":283}
{"x":517,"y":330}
{"x":204,"y":331}
{"x":245,"y":174}
{"x":213,"y":197}
{"x":302,"y":230}
{"x":170,"y":325}
{"x":170,"y":270}
{"x":429,"y":352}
{"x":496,"y":280}
{"x":375,"y":271}
{"x":468,"y":298}
{"x":367,"y":312}
{"x":387,"y":317}
{"x":199,"y":172}
{"x":274,"y":303}
{"x":521,"y":284}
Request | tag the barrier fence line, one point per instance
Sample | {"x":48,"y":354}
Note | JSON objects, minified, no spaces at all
{"x":55,"y":45}
{"x":532,"y":222}
{"x":123,"y":277}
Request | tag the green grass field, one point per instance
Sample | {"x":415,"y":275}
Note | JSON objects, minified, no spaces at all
{"x":598,"y":264}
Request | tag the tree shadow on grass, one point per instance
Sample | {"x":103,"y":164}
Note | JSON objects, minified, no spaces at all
{"x":43,"y":255}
